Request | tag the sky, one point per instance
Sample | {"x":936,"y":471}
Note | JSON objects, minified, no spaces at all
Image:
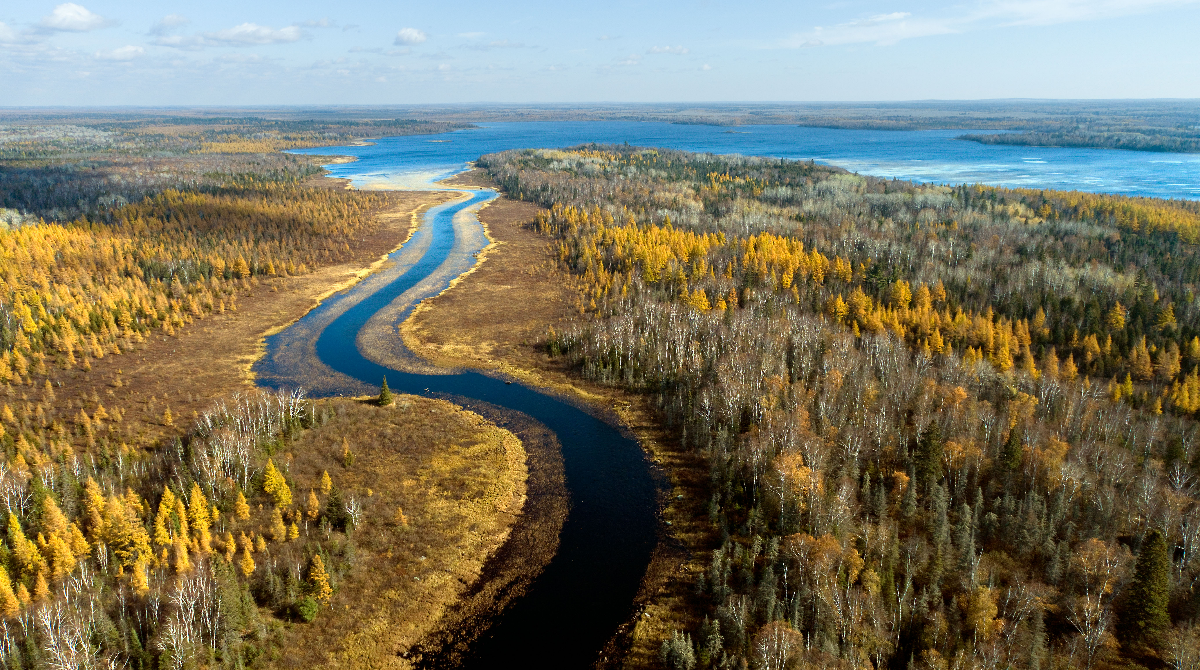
{"x":302,"y":52}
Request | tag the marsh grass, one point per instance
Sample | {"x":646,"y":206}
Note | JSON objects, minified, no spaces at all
{"x":460,"y":483}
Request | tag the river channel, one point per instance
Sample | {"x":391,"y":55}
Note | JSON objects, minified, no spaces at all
{"x":578,"y":601}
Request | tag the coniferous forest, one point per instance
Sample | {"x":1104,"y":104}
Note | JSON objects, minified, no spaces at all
{"x":943,"y":426}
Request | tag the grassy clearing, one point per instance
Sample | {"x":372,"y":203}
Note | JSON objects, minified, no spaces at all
{"x":211,"y":358}
{"x":459,"y":482}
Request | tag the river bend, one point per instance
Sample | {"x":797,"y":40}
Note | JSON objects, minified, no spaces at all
{"x":581,"y":597}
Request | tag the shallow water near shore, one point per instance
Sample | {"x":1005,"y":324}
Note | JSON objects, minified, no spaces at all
{"x":933,"y":156}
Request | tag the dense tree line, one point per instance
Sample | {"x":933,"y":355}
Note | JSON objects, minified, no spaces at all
{"x":62,"y":191}
{"x":151,"y":136}
{"x":88,"y":164}
{"x":945,"y":426}
{"x":74,"y":292}
{"x":1146,"y":139}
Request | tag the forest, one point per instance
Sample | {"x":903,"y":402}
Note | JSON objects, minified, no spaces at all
{"x":89,"y":164}
{"x":137,"y":536}
{"x":943,"y":426}
{"x":1141,"y":139}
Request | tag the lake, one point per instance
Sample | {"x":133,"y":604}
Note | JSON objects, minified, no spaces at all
{"x":933,"y":156}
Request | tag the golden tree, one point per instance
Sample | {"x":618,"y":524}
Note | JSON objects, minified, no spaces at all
{"x":278,"y":529}
{"x":241,"y":510}
{"x":314,"y":506}
{"x":318,"y":579}
{"x":247,"y":562}
{"x":9,"y":605}
{"x":275,"y":485}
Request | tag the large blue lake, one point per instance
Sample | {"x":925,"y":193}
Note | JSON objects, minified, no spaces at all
{"x":926,"y":156}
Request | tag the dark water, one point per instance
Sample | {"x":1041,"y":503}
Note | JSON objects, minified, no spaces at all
{"x":926,"y":156}
{"x":587,"y":590}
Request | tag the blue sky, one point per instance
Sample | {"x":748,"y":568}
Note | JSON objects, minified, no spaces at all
{"x":105,"y":52}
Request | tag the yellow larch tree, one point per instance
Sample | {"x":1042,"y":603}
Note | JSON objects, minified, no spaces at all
{"x":276,"y":486}
{"x":9,"y":605}
{"x":318,"y":580}
{"x":198,"y":514}
{"x":241,"y":510}
{"x":247,"y":563}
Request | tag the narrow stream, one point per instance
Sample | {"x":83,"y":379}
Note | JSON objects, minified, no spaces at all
{"x":576,"y":604}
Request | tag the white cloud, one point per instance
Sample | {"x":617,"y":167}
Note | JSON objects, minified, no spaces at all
{"x":410,"y":37}
{"x":252,"y":34}
{"x":633,"y":59}
{"x":887,"y":29}
{"x":678,"y":51}
{"x":7,"y":34}
{"x":124,"y":53}
{"x":168,"y":22}
{"x":882,"y":29}
{"x":244,"y":35}
{"x":242,"y":59}
{"x":184,"y":42}
{"x":498,"y":44}
{"x":71,"y":17}
{"x":1050,"y":12}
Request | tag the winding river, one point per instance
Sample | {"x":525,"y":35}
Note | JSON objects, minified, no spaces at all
{"x":577,"y":602}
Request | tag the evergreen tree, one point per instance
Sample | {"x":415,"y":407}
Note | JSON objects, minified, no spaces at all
{"x":385,"y":394}
{"x":1010,"y":456}
{"x":929,"y":456}
{"x":908,"y":505}
{"x":965,"y":538}
{"x":335,"y":509}
{"x":1037,"y":638}
{"x":1144,"y":619}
